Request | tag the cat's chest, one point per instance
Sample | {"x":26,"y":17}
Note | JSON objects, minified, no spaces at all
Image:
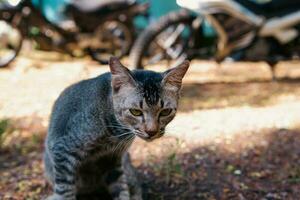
{"x":105,"y":146}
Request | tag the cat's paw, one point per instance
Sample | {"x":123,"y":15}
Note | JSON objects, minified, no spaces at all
{"x":55,"y":197}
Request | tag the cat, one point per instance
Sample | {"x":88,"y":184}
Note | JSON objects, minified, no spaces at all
{"x":93,"y":123}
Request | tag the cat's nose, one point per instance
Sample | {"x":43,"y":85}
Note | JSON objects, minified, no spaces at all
{"x":151,"y":133}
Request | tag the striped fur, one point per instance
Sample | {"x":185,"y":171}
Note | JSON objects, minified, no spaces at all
{"x":91,"y":128}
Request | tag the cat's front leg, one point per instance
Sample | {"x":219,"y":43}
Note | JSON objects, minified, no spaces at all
{"x":117,"y":184}
{"x":65,"y":161}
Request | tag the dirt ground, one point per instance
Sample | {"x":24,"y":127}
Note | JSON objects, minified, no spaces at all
{"x":236,"y":135}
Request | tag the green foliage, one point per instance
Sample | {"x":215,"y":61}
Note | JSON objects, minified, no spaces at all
{"x":34,"y":31}
{"x":4,"y":124}
{"x":294,"y":175}
{"x":172,"y":167}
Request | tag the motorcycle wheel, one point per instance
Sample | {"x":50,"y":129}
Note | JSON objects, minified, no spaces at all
{"x":10,"y":43}
{"x":165,"y":40}
{"x":116,"y":39}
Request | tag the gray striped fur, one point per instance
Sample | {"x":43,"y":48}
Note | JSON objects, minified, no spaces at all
{"x":91,"y":128}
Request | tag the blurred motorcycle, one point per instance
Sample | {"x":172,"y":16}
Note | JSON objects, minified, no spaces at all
{"x":104,"y":31}
{"x":245,"y":30}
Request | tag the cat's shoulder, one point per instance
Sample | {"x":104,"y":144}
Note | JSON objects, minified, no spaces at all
{"x":102,"y":79}
{"x":88,"y":86}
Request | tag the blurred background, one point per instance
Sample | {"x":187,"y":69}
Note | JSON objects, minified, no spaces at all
{"x":237,"y":131}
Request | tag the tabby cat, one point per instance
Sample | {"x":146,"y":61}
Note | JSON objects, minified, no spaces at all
{"x":93,"y":123}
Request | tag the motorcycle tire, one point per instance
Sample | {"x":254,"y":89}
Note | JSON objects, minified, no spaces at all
{"x":139,"y":49}
{"x":102,"y":55}
{"x":6,"y":60}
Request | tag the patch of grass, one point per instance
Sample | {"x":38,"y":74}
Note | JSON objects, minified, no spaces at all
{"x":170,"y":168}
{"x":294,"y":175}
{"x":4,"y":126}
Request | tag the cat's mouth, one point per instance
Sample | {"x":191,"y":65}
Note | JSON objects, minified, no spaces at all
{"x":147,"y":137}
{"x":144,"y":136}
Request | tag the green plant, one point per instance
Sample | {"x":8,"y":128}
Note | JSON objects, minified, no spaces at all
{"x":4,"y":124}
{"x":172,"y":167}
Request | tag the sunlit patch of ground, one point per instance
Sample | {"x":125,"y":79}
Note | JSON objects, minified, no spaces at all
{"x":235,"y":140}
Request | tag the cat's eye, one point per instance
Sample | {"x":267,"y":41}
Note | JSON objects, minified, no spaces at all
{"x":165,"y":112}
{"x":136,"y":112}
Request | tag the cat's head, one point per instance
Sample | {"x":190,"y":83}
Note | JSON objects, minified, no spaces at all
{"x":146,"y":101}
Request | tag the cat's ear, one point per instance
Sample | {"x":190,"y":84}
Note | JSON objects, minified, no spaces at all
{"x":173,"y":77}
{"x":120,"y":75}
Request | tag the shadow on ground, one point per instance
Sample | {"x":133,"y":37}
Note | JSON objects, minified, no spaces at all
{"x":220,"y":95}
{"x":21,"y":147}
{"x":264,"y":165}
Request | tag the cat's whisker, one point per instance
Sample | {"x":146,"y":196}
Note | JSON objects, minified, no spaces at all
{"x":116,"y":147}
{"x":122,"y":145}
{"x":119,"y":127}
{"x":129,"y":132}
{"x":139,"y":133}
{"x":117,"y":136}
{"x":125,"y":141}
